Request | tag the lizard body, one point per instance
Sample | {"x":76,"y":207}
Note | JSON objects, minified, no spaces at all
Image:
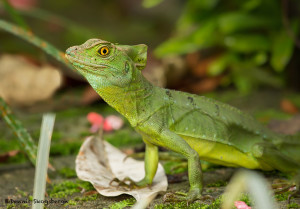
{"x":194,"y":126}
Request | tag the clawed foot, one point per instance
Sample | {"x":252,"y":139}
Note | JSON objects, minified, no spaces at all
{"x":193,"y":195}
{"x":128,"y":184}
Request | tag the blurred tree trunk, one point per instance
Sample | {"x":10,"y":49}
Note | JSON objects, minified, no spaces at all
{"x":293,"y":70}
{"x":291,"y":11}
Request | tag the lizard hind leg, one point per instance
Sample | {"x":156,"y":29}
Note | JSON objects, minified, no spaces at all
{"x":271,"y":158}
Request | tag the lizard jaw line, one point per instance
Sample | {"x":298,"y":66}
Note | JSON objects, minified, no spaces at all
{"x":76,"y":60}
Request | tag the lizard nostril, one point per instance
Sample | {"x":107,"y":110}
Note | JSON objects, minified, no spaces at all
{"x":68,"y":51}
{"x":72,"y":50}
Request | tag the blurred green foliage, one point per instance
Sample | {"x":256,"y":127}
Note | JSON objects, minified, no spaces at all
{"x":249,"y":37}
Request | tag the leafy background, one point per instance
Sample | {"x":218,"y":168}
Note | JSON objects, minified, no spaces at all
{"x":254,"y":40}
{"x":245,"y":53}
{"x":247,"y":43}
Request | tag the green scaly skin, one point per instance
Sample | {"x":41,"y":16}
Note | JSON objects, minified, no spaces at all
{"x":194,"y":126}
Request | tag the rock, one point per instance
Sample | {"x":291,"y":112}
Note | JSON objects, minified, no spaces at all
{"x":23,"y":83}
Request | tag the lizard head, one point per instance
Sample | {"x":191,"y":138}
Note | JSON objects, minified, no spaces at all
{"x":105,"y":64}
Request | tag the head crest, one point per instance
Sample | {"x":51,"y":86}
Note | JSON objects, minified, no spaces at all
{"x":137,"y":53}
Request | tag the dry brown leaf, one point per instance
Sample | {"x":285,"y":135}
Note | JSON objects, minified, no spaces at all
{"x":288,"y":107}
{"x":154,"y":72}
{"x":288,"y":127}
{"x":156,"y":75}
{"x":89,"y":96}
{"x":203,"y":86}
{"x":192,"y":59}
{"x":23,"y":83}
{"x":99,"y":163}
{"x":199,"y":64}
{"x":175,"y":68}
{"x":4,"y":157}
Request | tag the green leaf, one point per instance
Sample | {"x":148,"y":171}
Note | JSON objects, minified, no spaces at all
{"x":206,"y":4}
{"x":206,"y":34}
{"x":15,"y":15}
{"x":151,"y":3}
{"x":220,"y":64}
{"x":265,"y":77}
{"x":260,"y":58}
{"x":247,"y":78}
{"x":175,"y":46}
{"x":26,"y":142}
{"x":247,"y":43}
{"x":201,"y":38}
{"x":251,"y":4}
{"x":282,"y":50}
{"x":237,"y":21}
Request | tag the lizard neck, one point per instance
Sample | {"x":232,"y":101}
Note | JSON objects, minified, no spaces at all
{"x":127,"y":100}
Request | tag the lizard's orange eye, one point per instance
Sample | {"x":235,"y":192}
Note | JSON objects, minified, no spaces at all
{"x":103,"y":51}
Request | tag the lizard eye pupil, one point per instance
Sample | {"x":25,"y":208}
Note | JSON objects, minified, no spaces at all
{"x":103,"y":51}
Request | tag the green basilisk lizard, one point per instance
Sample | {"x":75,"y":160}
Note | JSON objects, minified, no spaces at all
{"x":194,"y":126}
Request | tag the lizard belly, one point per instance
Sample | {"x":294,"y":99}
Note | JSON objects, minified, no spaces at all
{"x":222,"y":154}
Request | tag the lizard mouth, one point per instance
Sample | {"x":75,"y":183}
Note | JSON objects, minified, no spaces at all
{"x":75,"y":61}
{"x":87,"y":66}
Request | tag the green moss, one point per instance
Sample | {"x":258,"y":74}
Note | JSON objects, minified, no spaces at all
{"x":12,"y":144}
{"x":87,"y":186}
{"x":7,"y":145}
{"x":67,"y":188}
{"x":83,"y":111}
{"x":11,"y":206}
{"x":293,"y":205}
{"x":85,"y":134}
{"x":183,"y":205}
{"x":87,"y":198}
{"x":25,"y":205}
{"x":56,"y":136}
{"x":67,"y":172}
{"x":282,"y":197}
{"x":214,"y":205}
{"x":218,"y":184}
{"x":123,"y":204}
{"x":70,"y":113}
{"x":245,"y":198}
{"x":22,"y":193}
{"x":65,"y":148}
{"x":124,"y":137}
{"x":70,"y":202}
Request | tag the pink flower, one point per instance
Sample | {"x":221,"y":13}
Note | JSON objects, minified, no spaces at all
{"x":96,"y":120}
{"x":110,"y":123}
{"x":241,"y":205}
{"x":114,"y":122}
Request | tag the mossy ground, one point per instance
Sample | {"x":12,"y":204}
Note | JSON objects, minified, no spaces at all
{"x":71,"y":127}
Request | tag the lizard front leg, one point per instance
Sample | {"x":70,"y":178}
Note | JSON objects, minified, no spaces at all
{"x":174,"y":142}
{"x":162,"y":136}
{"x":151,"y":163}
